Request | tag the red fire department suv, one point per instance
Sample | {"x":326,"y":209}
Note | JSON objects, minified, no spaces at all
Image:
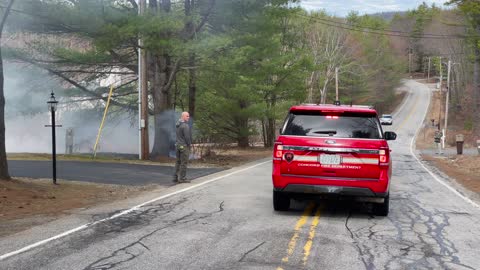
{"x":336,"y":150}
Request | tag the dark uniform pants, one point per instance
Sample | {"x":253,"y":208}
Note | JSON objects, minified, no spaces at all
{"x":183,"y":153}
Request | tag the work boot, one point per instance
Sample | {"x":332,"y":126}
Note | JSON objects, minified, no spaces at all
{"x":175,"y":180}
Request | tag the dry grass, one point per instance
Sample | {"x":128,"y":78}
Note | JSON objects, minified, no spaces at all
{"x":37,"y":200}
{"x":464,"y":169}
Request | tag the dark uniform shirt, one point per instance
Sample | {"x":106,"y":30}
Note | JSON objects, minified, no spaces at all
{"x":184,"y":138}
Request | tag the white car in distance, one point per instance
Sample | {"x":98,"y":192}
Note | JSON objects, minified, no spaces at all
{"x":386,"y":119}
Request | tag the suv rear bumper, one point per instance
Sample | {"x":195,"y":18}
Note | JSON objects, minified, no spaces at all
{"x":344,"y":186}
{"x":330,"y":190}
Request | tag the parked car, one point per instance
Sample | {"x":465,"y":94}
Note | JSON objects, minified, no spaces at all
{"x":386,"y":119}
{"x":332,"y":150}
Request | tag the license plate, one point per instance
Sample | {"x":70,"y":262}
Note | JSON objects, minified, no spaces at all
{"x":330,"y":159}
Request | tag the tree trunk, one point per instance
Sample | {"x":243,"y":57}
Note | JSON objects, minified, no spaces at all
{"x":3,"y":153}
{"x":264,"y":131}
{"x":242,"y":134}
{"x":192,"y":87}
{"x":270,"y":129}
{"x":153,"y":6}
{"x":164,"y":116}
{"x":476,"y":91}
{"x":166,"y":5}
{"x":323,"y":92}
{"x":242,"y":139}
{"x":311,"y":86}
{"x":454,"y":91}
{"x":241,"y":123}
{"x":243,"y":142}
{"x":270,"y":132}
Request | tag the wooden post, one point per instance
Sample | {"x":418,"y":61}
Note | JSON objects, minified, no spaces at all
{"x":143,"y":82}
{"x":446,"y":102}
{"x":428,"y":72}
{"x":336,"y":83}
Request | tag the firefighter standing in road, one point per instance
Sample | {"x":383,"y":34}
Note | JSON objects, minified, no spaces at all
{"x":183,"y":143}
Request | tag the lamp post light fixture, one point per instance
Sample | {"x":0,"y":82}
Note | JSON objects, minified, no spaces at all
{"x":52,"y":103}
{"x":52,"y":106}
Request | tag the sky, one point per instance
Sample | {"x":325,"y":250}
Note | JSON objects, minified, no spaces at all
{"x":341,"y":8}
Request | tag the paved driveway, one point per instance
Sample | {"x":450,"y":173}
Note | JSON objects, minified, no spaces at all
{"x":101,"y":172}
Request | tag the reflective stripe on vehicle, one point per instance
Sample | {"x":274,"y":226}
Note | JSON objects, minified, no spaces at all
{"x":330,"y":149}
{"x":360,"y":160}
{"x":330,"y":177}
{"x":348,"y":160}
{"x":306,"y":158}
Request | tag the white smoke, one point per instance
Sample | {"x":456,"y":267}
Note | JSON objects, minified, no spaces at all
{"x":26,"y":92}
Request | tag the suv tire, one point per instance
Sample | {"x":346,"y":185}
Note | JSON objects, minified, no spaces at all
{"x":381,"y":209}
{"x":281,"y":202}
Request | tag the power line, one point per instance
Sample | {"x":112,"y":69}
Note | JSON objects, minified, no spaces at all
{"x":377,"y":31}
{"x":380,"y":29}
{"x":385,"y":33}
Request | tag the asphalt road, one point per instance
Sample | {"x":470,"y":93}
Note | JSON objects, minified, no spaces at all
{"x":102,"y":172}
{"x":226,"y":221}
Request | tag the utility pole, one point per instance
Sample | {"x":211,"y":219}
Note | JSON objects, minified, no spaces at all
{"x":139,"y":75}
{"x":446,"y":103}
{"x":410,"y":61}
{"x":441,"y":75}
{"x":441,"y":94}
{"x":336,"y":83}
{"x":428,"y":72}
{"x":424,"y":66}
{"x":143,"y":92}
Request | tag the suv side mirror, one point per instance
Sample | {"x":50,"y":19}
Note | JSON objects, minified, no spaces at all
{"x":390,"y":135}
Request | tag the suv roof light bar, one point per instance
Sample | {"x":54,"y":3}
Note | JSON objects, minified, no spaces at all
{"x":339,"y":104}
{"x":362,"y":106}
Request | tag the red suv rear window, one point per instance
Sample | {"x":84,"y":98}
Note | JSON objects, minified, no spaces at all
{"x":331,"y":124}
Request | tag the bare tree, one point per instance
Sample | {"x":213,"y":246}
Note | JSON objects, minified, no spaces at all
{"x":471,"y":9}
{"x":452,"y":24}
{"x":3,"y":154}
{"x":328,"y":52}
{"x":400,"y":45}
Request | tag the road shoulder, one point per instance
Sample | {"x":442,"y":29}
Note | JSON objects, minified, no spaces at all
{"x":84,"y":216}
{"x":462,"y":172}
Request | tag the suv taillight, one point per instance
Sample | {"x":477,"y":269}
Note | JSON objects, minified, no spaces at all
{"x":277,"y":151}
{"x":384,"y":154}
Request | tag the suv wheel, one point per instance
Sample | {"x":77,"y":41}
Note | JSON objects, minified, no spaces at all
{"x":381,"y":209}
{"x":281,"y":202}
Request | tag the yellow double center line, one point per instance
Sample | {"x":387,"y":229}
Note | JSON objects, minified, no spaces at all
{"x":311,"y":235}
{"x":298,"y":227}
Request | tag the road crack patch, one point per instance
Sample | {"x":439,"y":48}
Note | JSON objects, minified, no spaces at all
{"x":251,"y":250}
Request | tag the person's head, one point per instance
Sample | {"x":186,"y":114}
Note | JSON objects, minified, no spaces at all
{"x":185,"y":116}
